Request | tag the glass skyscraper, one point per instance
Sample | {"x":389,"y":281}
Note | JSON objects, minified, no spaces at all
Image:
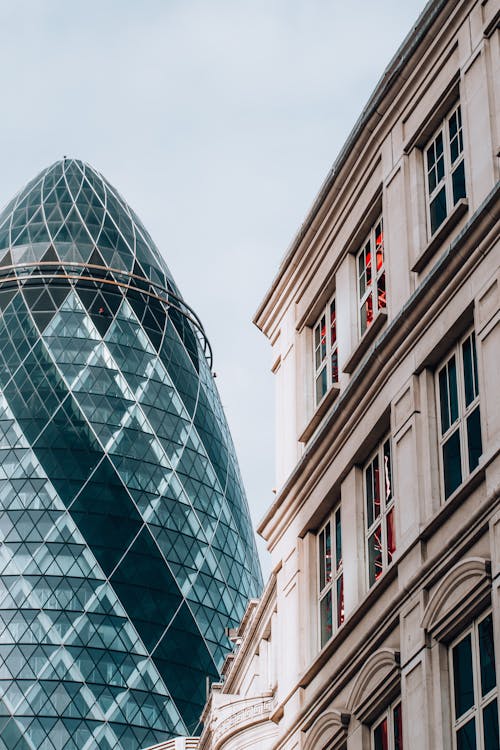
{"x":126,"y":544}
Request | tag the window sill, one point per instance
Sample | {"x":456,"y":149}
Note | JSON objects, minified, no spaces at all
{"x":446,"y":227}
{"x":365,"y":341}
{"x":320,"y":412}
{"x":450,"y":505}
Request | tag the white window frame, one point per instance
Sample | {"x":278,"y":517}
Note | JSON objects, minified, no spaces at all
{"x":325,"y":351}
{"x":475,"y":712}
{"x":371,"y":279}
{"x":464,"y":410}
{"x":382,"y":517}
{"x":389,"y":716}
{"x":439,"y":172}
{"x":330,"y":575}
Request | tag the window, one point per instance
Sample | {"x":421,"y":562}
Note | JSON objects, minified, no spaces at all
{"x":371,"y":277}
{"x":330,"y":578}
{"x":474,"y":689}
{"x":460,"y":424}
{"x":445,"y":170}
{"x":388,"y":732}
{"x":326,"y":366}
{"x":379,"y":512}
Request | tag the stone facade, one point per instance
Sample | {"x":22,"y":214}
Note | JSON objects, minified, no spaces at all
{"x":376,"y":628}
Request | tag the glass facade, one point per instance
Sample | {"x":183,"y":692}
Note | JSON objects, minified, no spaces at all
{"x":126,"y":544}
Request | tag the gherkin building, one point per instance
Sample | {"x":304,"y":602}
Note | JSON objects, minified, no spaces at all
{"x":126,"y":546}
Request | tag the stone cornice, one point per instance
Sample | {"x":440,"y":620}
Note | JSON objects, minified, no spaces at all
{"x":365,"y":130}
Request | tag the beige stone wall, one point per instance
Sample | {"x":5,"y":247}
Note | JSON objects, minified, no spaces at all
{"x":282,"y":690}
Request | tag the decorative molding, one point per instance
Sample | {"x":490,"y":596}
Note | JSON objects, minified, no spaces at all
{"x":463,"y":591}
{"x":247,"y":715}
{"x":376,"y":684}
{"x":328,"y":732}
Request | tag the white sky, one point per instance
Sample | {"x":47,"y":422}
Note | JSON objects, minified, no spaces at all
{"x":217,"y":120}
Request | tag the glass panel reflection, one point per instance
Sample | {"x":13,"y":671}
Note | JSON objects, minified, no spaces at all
{"x":129,"y":546}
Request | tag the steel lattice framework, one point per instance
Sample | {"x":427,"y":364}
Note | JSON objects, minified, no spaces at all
{"x":126,"y":545}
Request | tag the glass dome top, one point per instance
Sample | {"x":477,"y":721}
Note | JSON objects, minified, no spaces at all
{"x":73,"y":208}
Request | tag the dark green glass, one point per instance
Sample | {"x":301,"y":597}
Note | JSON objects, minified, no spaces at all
{"x":463,"y":677}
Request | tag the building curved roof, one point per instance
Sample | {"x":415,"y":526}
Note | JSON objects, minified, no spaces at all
{"x":70,"y":214}
{"x":71,"y":206}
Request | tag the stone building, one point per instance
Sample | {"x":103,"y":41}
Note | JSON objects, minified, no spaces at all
{"x":379,"y":627}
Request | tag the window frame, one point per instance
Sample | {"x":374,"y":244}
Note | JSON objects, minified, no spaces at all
{"x":371,"y":246}
{"x":480,"y":702}
{"x":464,"y":409}
{"x":389,"y":716}
{"x":450,"y":167}
{"x":325,"y":363}
{"x":330,"y":576}
{"x":387,"y":507}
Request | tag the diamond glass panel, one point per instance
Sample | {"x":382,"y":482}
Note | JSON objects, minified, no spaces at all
{"x":126,"y":548}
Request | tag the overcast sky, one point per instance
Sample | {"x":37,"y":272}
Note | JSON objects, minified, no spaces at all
{"x":217,"y":120}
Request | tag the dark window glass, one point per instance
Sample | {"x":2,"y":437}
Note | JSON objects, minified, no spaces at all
{"x":398,"y":728}
{"x":452,"y":384}
{"x":335,"y":367}
{"x":438,"y":210}
{"x":431,"y":157}
{"x":317,"y":352}
{"x":431,"y":177}
{"x":380,"y":736}
{"x":458,"y":182}
{"x":466,"y":736}
{"x":444,"y":398}
{"x":338,"y":539}
{"x":361,"y":274}
{"x":452,"y":464}
{"x":490,"y":726}
{"x":367,"y":313}
{"x":370,"y":494}
{"x":462,"y":677}
{"x":468,"y":371}
{"x":325,"y":560}
{"x":439,"y":145}
{"x":375,"y":564}
{"x":453,"y":130}
{"x":333,"y":324}
{"x":391,"y":536}
{"x":340,"y":600}
{"x":387,"y":472}
{"x":474,"y":362}
{"x":474,"y":444}
{"x":326,"y":617}
{"x":368,"y":263}
{"x":321,"y":385}
{"x":382,"y":297}
{"x":487,"y":655}
{"x":323,"y":338}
